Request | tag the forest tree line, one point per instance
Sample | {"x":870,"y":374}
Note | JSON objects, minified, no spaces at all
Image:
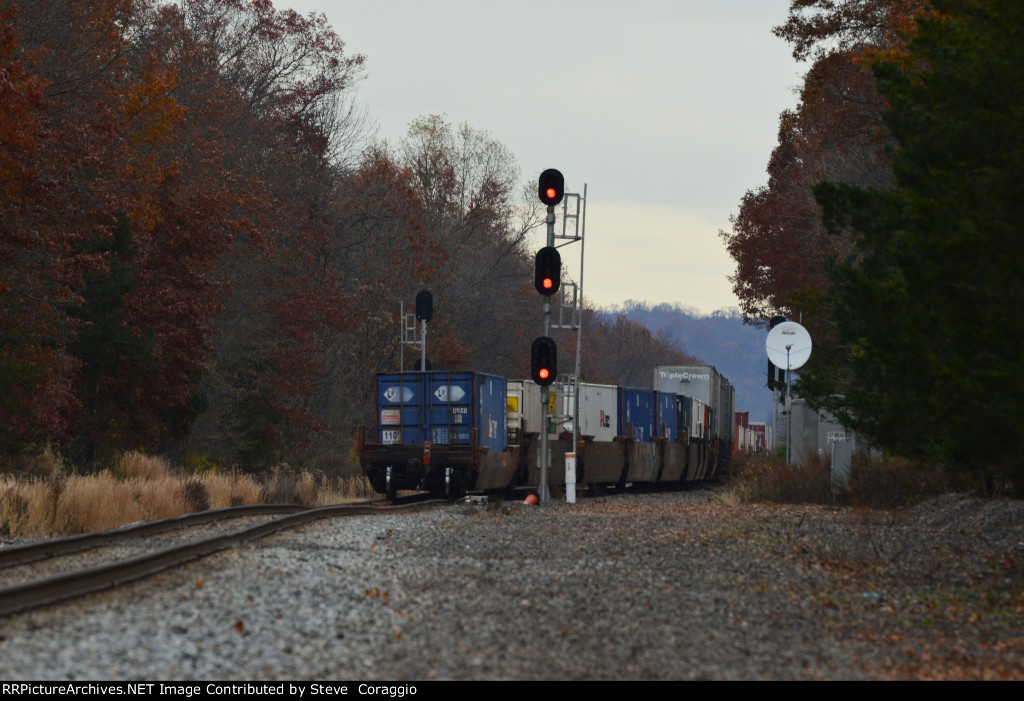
{"x":203,"y":250}
{"x":891,"y":225}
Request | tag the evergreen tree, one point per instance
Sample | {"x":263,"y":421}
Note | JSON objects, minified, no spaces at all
{"x":930,"y":305}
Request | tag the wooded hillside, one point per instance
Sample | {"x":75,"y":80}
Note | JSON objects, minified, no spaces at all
{"x":203,"y":252}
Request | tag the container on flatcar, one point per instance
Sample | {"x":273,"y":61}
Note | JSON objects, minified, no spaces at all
{"x":441,"y":407}
{"x":599,"y":412}
{"x":704,"y":383}
{"x":762,"y":433}
{"x":684,"y":415}
{"x":692,"y":416}
{"x":525,"y":404}
{"x":696,"y":381}
{"x":726,"y":412}
{"x":666,"y":416}
{"x":636,"y":414}
{"x":741,"y":436}
{"x":400,"y":408}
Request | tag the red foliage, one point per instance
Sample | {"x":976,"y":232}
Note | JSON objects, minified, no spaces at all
{"x":836,"y":134}
{"x":124,"y":113}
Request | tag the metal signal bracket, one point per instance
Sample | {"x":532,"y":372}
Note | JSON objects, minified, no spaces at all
{"x":570,"y":212}
{"x":568,"y":307}
{"x":411,"y":335}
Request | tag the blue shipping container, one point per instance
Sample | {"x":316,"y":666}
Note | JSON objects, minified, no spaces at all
{"x":666,"y":415}
{"x":441,"y":407}
{"x":399,"y":408}
{"x":636,"y":415}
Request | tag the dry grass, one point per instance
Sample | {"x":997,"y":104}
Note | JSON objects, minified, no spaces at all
{"x":882,"y":484}
{"x":44,"y":500}
{"x":762,"y":477}
{"x":895,"y":484}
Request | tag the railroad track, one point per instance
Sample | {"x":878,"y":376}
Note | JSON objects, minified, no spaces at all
{"x":51,"y":589}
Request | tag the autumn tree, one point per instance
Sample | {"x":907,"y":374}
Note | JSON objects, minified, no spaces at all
{"x":26,"y":361}
{"x":929,"y":304}
{"x":475,"y":209}
{"x":201,"y":254}
{"x":279,"y":104}
{"x":621,"y":351}
{"x":836,"y":133}
{"x":380,"y":249}
{"x":100,"y":116}
{"x":168,"y":174}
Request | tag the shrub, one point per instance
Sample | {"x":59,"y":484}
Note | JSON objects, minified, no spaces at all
{"x":195,"y":496}
{"x":874,"y":483}
{"x":894,"y":483}
{"x":136,"y":465}
{"x":765,"y":477}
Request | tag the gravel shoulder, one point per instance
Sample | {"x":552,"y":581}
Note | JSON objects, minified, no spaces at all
{"x":635,"y":587}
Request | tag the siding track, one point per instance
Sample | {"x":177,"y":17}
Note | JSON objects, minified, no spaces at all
{"x":48,"y":590}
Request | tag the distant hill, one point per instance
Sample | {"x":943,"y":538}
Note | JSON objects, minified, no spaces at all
{"x":722,"y":339}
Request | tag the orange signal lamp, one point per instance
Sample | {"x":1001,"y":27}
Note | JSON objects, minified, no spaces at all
{"x":551,"y":187}
{"x":547,"y":271}
{"x":543,"y":361}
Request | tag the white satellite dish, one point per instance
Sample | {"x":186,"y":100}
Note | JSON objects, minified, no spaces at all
{"x":788,"y":345}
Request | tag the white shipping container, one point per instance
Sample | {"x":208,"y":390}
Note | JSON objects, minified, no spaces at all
{"x":523,"y":404}
{"x":513,"y":404}
{"x":598,"y":412}
{"x":814,"y":432}
{"x":696,"y":427}
{"x":697,"y":381}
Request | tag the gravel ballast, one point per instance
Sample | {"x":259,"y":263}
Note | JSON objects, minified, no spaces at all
{"x":661,"y":586}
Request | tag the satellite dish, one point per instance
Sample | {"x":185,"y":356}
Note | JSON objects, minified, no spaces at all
{"x":788,"y":345}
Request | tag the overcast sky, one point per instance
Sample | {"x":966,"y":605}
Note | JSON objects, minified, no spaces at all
{"x":666,"y":109}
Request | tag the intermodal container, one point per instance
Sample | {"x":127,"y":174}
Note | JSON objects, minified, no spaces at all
{"x":693,"y":417}
{"x":443,"y":408}
{"x":697,"y":381}
{"x":636,"y":414}
{"x":598,"y":412}
{"x":666,"y":416}
{"x":684,"y":415}
{"x":400,"y":408}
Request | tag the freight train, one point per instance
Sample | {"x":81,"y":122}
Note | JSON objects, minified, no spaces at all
{"x":453,"y":432}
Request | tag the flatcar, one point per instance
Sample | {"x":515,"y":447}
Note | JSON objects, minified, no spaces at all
{"x":453,"y":432}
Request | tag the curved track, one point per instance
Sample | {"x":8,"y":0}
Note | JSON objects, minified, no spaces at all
{"x":47,"y":590}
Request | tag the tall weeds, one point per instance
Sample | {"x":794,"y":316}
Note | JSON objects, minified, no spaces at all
{"x":874,"y":483}
{"x":43,"y":500}
{"x":764,"y":477}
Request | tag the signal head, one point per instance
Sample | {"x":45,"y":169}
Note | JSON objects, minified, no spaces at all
{"x":551,"y":187}
{"x":424,"y":306}
{"x":548,"y":271}
{"x":544,"y":361}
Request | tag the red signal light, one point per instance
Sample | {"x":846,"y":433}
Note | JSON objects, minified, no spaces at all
{"x":544,"y":361}
{"x":551,"y":187}
{"x":547,"y":271}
